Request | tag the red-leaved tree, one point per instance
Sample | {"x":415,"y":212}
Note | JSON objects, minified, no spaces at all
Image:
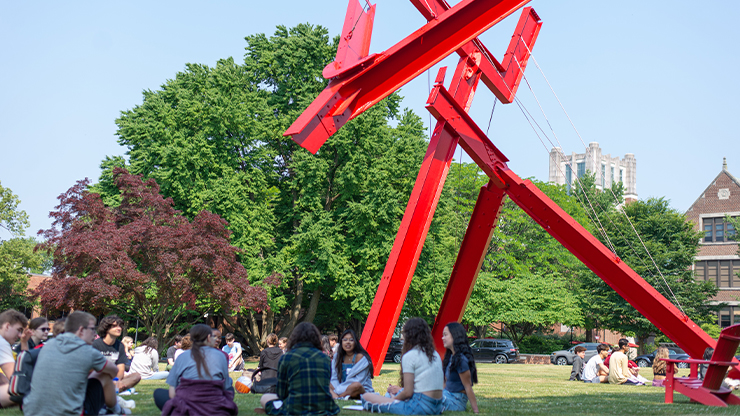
{"x":142,"y":258}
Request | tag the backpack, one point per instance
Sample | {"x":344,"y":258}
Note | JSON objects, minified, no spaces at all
{"x":264,"y":385}
{"x":20,"y":381}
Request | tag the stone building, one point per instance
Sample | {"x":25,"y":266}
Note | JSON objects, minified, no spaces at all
{"x":718,"y":259}
{"x":607,"y":169}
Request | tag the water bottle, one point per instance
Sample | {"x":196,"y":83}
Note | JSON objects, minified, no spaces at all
{"x":115,"y":383}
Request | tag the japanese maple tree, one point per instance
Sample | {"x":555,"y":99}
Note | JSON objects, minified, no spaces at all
{"x":141,"y":257}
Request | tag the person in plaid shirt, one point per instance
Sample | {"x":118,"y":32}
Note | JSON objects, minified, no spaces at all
{"x":304,"y":373}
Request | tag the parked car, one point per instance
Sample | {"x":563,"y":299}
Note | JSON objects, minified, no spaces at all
{"x":394,"y":351}
{"x":647,"y":359}
{"x":499,"y":351}
{"x":566,"y":357}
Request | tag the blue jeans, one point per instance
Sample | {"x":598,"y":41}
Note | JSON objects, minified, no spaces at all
{"x":159,"y":375}
{"x":418,"y":404}
{"x":454,"y":402}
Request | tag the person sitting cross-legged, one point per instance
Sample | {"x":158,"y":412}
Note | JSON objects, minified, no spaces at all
{"x":234,"y":351}
{"x":199,"y":381}
{"x":422,"y":376}
{"x":71,"y":377}
{"x":146,"y":361}
{"x":595,"y":371}
{"x":109,"y":329}
{"x":351,"y":369}
{"x":619,"y":372}
{"x":576,"y":372}
{"x":304,"y":373}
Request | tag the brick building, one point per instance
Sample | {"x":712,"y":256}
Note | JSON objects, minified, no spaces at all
{"x":718,"y":259}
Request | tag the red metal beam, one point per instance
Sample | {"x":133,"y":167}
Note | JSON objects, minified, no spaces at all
{"x":620,"y":277}
{"x":399,"y":270}
{"x":472,"y":252}
{"x":344,"y":99}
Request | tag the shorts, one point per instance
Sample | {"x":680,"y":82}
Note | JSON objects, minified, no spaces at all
{"x":595,"y":380}
{"x":454,"y":402}
{"x":418,"y":404}
{"x":94,"y":397}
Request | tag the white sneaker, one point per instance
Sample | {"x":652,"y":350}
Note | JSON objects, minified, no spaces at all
{"x":125,"y":404}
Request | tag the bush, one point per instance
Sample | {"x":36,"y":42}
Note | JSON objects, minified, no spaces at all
{"x":545,"y":344}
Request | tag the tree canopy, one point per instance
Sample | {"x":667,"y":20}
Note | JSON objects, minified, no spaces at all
{"x":141,"y":256}
{"x":12,"y":219}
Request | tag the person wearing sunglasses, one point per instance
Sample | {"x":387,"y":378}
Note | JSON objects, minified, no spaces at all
{"x":40,"y":328}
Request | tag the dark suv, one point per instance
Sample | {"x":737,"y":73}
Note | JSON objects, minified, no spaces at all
{"x":394,"y":351}
{"x":499,"y":351}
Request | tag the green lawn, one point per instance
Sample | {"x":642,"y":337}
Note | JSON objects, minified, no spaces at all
{"x":512,"y":389}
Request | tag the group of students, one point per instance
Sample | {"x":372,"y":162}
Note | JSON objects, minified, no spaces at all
{"x":614,"y":367}
{"x":76,"y":371}
{"x":308,"y":383}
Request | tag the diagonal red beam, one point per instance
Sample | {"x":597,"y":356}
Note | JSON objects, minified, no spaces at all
{"x":502,"y":79}
{"x":389,"y":71}
{"x":620,"y":277}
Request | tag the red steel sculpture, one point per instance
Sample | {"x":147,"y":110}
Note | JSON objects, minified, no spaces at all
{"x":358,"y":81}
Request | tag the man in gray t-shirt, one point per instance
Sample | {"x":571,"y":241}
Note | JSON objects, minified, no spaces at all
{"x":60,"y":383}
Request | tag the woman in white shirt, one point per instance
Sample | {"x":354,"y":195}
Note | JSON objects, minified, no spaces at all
{"x":422,"y":377}
{"x":146,"y":361}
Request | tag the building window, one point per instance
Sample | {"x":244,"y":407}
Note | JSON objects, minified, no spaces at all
{"x":716,"y":230}
{"x":603,"y":175}
{"x":729,"y":316}
{"x":568,"y":176}
{"x":621,"y":175}
{"x":612,"y":181}
{"x":723,"y":273}
{"x":580,"y":169}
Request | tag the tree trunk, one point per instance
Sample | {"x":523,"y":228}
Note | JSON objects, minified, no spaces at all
{"x":295,"y":309}
{"x":313,"y":306}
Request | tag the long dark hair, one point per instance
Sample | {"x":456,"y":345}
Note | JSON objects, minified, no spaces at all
{"x":305,"y":332}
{"x":198,"y":335}
{"x":416,"y":333}
{"x":326,"y":346}
{"x":462,"y":348}
{"x":150,"y":344}
{"x":357,"y":350}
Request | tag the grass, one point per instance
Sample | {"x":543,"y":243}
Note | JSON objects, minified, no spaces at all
{"x":513,"y":389}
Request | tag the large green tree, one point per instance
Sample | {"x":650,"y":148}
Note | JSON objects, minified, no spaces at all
{"x":12,"y":219}
{"x":212,"y":138}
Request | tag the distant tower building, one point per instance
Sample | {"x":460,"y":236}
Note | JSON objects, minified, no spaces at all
{"x":607,"y":169}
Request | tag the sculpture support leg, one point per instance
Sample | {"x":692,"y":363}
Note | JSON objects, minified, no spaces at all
{"x":472,"y":252}
{"x":386,"y":308}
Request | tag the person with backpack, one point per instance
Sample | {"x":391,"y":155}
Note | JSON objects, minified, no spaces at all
{"x":199,"y":381}
{"x":12,"y":325}
{"x":72,"y":377}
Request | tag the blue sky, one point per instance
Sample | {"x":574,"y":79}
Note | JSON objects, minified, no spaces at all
{"x":656,"y":79}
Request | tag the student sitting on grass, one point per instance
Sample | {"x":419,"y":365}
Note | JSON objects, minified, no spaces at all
{"x":184,"y":346}
{"x":12,"y":325}
{"x":40,"y":328}
{"x":72,"y":377}
{"x":234,"y":350}
{"x":283,"y":344}
{"x":460,"y":371}
{"x":595,"y":371}
{"x":351,"y":369}
{"x":619,"y":372}
{"x":422,"y":376}
{"x":199,"y":380}
{"x":303,"y":377}
{"x":128,"y":344}
{"x":659,"y":366}
{"x":146,"y":361}
{"x":109,"y":329}
{"x":171,"y":352}
{"x":577,"y":370}
{"x":270,"y":357}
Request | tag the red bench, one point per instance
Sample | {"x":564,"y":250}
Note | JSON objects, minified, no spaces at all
{"x":708,"y":391}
